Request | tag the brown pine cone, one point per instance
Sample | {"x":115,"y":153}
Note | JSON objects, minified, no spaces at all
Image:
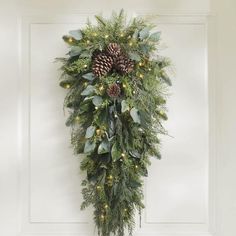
{"x":123,"y":64}
{"x":102,"y":64}
{"x":95,"y":53}
{"x":114,"y":91}
{"x":113,"y":49}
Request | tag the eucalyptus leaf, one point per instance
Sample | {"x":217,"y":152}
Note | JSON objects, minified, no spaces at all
{"x":135,"y":115}
{"x":135,"y":154}
{"x":144,"y":48}
{"x":102,"y":118}
{"x":111,"y":129}
{"x":134,"y":56}
{"x":88,"y":76}
{"x":97,"y":100}
{"x":103,"y":147}
{"x":77,"y":34}
{"x":115,"y":152}
{"x":75,"y":51}
{"x":90,"y":132}
{"x":155,"y":36}
{"x":124,"y":106}
{"x":89,"y":146}
{"x":89,"y":90}
{"x":88,"y":98}
{"x":144,"y":33}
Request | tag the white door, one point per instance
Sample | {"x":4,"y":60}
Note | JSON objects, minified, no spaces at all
{"x":40,"y":177}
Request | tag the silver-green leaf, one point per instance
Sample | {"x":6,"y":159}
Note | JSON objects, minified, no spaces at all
{"x":155,"y":36}
{"x":90,"y":132}
{"x":124,"y":106}
{"x":89,"y":90}
{"x":75,"y":50}
{"x":77,"y":34}
{"x":115,"y":152}
{"x":89,"y":146}
{"x":135,"y":115}
{"x":88,"y":76}
{"x":97,"y":101}
{"x":144,"y":33}
{"x":134,"y":56}
{"x":103,"y":147}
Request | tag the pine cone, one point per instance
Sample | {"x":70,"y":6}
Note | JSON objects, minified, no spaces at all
{"x":114,"y":90}
{"x":95,"y":53}
{"x":102,"y":64}
{"x":113,"y":49}
{"x":123,"y":64}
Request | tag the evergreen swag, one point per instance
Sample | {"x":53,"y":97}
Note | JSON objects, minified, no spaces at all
{"x":116,"y":99}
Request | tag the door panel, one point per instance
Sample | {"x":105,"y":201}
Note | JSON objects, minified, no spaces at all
{"x":176,"y":192}
{"x":180,"y":178}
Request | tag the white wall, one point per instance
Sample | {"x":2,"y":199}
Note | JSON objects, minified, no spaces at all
{"x":8,"y":118}
{"x":222,"y":38}
{"x":224,"y":69}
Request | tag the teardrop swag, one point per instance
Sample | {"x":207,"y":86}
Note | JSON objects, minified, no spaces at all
{"x":116,"y":96}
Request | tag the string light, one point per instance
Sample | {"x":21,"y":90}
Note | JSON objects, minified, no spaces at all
{"x":130,"y":43}
{"x":136,"y":167}
{"x":125,"y":210}
{"x":124,"y":85}
{"x":101,"y":88}
{"x":149,"y":69}
{"x":161,"y":112}
{"x":95,"y":34}
{"x":115,"y":116}
{"x":134,"y":92}
{"x":140,"y":64}
{"x":106,"y":206}
{"x":98,"y":187}
{"x":85,"y":83}
{"x":67,"y":86}
{"x":77,"y":118}
{"x":106,"y":36}
{"x":121,"y":35}
{"x":96,"y":108}
{"x":98,"y":131}
{"x":102,"y":217}
{"x":123,"y":155}
{"x":141,"y":76}
{"x":85,"y":66}
{"x":70,"y":40}
{"x":110,"y":177}
{"x":87,"y":41}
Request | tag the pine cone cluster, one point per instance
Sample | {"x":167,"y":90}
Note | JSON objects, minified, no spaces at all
{"x":114,"y":90}
{"x":111,"y":58}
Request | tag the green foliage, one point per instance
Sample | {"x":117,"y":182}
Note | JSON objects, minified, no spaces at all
{"x":116,"y":135}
